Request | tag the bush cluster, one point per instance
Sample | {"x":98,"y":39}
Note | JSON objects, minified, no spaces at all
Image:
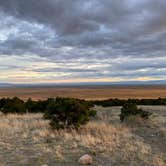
{"x":62,"y":112}
{"x":121,"y":102}
{"x":16,"y":105}
{"x":68,"y":113}
{"x":129,"y":109}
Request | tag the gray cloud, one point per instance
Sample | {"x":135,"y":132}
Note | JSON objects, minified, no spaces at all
{"x":87,"y":32}
{"x":60,"y":69}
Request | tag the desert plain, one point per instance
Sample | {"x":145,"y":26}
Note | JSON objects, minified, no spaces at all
{"x":86,"y":92}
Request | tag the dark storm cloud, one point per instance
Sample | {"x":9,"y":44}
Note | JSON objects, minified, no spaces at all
{"x":62,"y":15}
{"x":64,"y":30}
{"x":118,"y":24}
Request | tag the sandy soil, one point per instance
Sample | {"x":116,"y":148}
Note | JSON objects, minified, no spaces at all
{"x":93,"y":93}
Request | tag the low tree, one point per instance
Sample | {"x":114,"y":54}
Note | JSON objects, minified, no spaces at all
{"x":68,"y":113}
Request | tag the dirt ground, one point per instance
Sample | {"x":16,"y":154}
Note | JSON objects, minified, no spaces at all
{"x":89,"y":93}
{"x":27,"y":140}
{"x":153,"y":131}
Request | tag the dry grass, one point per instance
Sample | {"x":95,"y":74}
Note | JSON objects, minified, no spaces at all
{"x":30,"y":136}
{"x":12,"y":124}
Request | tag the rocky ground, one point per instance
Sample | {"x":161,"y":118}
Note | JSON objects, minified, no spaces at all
{"x":27,"y":140}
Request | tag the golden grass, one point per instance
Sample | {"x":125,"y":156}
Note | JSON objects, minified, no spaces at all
{"x":12,"y":124}
{"x":99,"y":137}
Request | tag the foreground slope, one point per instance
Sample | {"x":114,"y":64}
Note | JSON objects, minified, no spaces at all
{"x":28,"y":140}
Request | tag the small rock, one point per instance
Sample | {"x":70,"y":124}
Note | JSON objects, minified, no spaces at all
{"x":74,"y":145}
{"x":152,"y":135}
{"x":85,"y":159}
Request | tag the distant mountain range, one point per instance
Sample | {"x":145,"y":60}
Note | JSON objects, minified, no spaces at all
{"x":129,"y":83}
{"x":5,"y":85}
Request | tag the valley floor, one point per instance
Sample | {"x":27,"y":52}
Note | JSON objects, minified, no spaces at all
{"x":86,"y":92}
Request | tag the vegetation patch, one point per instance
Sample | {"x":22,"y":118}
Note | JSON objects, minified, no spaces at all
{"x":68,"y":113}
{"x":14,"y":105}
{"x":121,"y":102}
{"x":130,"y":109}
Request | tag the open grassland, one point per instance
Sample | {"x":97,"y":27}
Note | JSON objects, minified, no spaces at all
{"x":89,"y":93}
{"x":27,"y":140}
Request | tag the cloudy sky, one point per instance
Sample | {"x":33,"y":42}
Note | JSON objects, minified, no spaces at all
{"x":53,"y":41}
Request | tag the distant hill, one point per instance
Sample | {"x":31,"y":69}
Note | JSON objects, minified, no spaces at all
{"x":129,"y":83}
{"x":5,"y":85}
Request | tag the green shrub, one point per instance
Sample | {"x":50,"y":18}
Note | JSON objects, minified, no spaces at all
{"x":14,"y":105}
{"x":36,"y":106}
{"x":131,"y":109}
{"x":121,"y":102}
{"x":68,"y":113}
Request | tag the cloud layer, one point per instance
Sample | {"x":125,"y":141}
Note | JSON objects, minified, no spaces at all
{"x":55,"y":40}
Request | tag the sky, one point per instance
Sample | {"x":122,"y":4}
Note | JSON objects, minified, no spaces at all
{"x":66,"y":41}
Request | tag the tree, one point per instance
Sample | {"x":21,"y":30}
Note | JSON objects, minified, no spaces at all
{"x":67,"y":113}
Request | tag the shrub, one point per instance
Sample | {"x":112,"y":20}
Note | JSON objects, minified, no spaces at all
{"x":3,"y":101}
{"x":14,"y":105}
{"x":131,"y":109}
{"x":68,"y":113}
{"x":36,"y":106}
{"x":121,"y":102}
